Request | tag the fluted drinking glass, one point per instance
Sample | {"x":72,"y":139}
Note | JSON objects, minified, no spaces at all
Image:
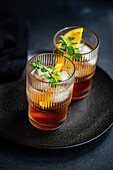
{"x":47,"y":106}
{"x":85,"y":67}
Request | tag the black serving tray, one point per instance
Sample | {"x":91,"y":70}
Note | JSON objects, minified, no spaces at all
{"x":87,"y":118}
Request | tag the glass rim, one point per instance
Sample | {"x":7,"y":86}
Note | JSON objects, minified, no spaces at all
{"x":66,"y":28}
{"x":64,"y":81}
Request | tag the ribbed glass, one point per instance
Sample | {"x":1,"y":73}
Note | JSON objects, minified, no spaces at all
{"x":48,"y":106}
{"x":86,"y":67}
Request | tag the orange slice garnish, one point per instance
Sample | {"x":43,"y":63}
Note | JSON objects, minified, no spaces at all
{"x":58,"y":67}
{"x":76,"y":33}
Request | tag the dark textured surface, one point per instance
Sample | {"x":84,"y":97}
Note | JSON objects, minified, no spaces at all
{"x":86,"y":119}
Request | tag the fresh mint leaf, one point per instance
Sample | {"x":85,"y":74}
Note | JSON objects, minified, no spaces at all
{"x":38,"y":62}
{"x":71,"y":50}
{"x":51,"y":67}
{"x":71,"y":38}
{"x":59,"y":42}
{"x":33,"y":65}
{"x":73,"y":42}
{"x":77,"y":51}
{"x":58,"y":74}
{"x":83,"y":57}
{"x":53,"y":80}
{"x":44,"y":69}
{"x":38,"y":66}
{"x":63,"y":39}
{"x":47,"y":75}
{"x":64,"y":47}
{"x":53,"y":85}
{"x":74,"y":57}
{"x":59,"y":80}
{"x":36,"y":72}
{"x":78,"y":57}
{"x":67,"y":50}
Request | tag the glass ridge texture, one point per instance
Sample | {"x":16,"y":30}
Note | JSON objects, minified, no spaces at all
{"x":86,"y":67}
{"x":47,"y":107}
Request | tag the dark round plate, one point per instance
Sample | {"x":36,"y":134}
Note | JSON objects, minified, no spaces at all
{"x":87,"y":118}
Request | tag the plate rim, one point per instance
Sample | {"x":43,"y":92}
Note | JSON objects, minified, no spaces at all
{"x":61,"y":147}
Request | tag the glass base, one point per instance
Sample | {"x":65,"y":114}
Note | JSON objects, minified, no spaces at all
{"x":45,"y":126}
{"x":81,"y":90}
{"x":46,"y":119}
{"x":75,"y":97}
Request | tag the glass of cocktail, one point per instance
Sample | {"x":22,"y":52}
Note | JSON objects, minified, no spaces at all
{"x":49,"y":86}
{"x":81,"y":46}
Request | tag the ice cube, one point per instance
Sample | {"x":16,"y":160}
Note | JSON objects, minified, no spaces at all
{"x":41,"y":75}
{"x":37,"y":96}
{"x":64,"y":76}
{"x":93,"y":61}
{"x":54,"y":97}
{"x":60,"y":97}
{"x":84,"y":48}
{"x":45,"y":86}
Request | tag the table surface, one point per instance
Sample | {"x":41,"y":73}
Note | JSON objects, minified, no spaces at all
{"x":97,"y":154}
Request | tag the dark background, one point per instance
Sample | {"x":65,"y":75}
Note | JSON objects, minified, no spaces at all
{"x":43,"y":18}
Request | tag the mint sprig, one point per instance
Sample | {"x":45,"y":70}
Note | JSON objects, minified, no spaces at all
{"x":51,"y":67}
{"x":49,"y":75}
{"x":36,"y":72}
{"x":58,"y":74}
{"x":66,"y":46}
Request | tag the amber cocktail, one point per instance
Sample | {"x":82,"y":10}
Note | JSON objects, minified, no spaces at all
{"x":84,"y":57}
{"x":48,"y":101}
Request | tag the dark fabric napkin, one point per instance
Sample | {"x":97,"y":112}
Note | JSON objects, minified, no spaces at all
{"x":13,"y":48}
